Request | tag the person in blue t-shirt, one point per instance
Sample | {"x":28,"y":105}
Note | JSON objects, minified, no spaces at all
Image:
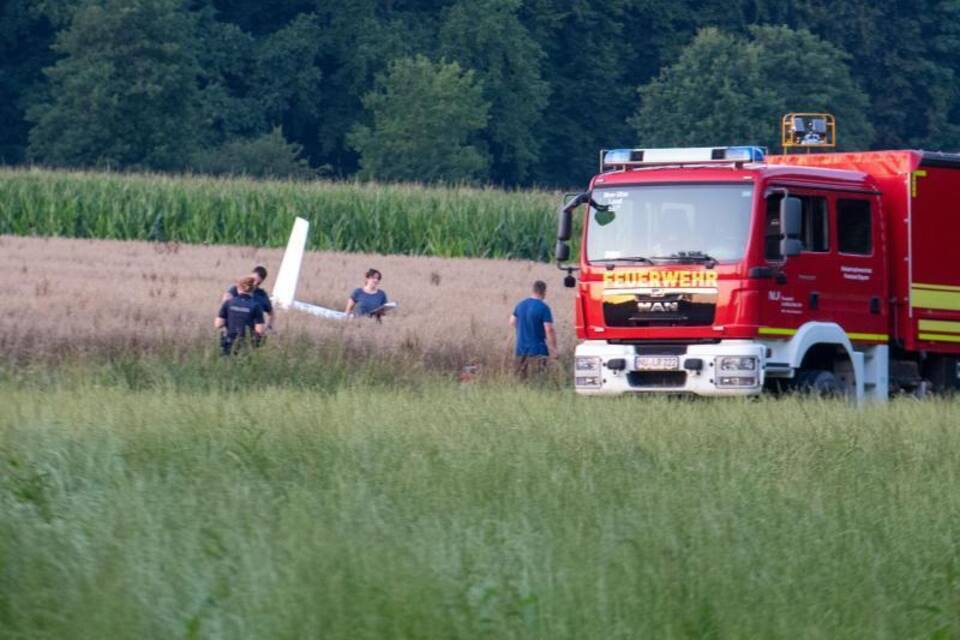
{"x":534,"y":324}
{"x":369,"y":299}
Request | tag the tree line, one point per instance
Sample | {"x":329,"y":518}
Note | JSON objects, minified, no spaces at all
{"x":491,"y":91}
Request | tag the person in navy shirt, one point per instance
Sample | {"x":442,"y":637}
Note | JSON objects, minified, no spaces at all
{"x":369,"y":299}
{"x":259,"y":274}
{"x":533,"y":321}
{"x":239,"y":317}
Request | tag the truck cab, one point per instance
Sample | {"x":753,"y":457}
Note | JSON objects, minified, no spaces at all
{"x":716,"y":272}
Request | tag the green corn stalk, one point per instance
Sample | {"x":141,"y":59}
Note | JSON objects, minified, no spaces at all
{"x":345,"y":216}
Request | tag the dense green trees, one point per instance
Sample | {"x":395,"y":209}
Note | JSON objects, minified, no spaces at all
{"x":261,"y":88}
{"x":725,"y":88}
{"x":714,"y":92}
{"x":906,"y":55}
{"x":488,"y":36}
{"x":125,"y":91}
{"x":424,"y":117}
{"x":25,"y":38}
{"x":266,"y":156}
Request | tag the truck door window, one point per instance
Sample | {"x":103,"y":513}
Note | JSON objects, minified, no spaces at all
{"x":815,"y":227}
{"x":854,"y":227}
{"x":814,"y":230}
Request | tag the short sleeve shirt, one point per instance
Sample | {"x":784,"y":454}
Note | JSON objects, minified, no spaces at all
{"x":367,"y":303}
{"x":531,"y":314}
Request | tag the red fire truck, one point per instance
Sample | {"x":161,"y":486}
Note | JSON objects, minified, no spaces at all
{"x":722,"y":272}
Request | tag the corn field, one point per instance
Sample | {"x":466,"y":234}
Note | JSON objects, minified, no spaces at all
{"x":344,"y":216}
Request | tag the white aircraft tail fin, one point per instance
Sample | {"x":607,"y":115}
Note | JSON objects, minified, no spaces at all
{"x":285,"y":287}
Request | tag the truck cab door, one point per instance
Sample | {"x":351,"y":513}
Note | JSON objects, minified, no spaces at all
{"x":858,"y":275}
{"x":800,"y":291}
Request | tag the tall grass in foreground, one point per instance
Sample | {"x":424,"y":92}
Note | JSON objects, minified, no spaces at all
{"x":345,"y":216}
{"x":450,"y":512}
{"x":290,"y":361}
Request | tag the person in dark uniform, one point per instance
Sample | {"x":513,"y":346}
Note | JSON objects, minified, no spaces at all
{"x":239,"y":317}
{"x":259,"y":274}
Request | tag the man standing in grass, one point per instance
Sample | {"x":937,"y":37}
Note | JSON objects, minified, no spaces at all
{"x":533,"y":321}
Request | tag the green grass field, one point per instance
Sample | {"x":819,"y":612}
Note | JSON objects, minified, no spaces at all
{"x":344,"y":216}
{"x":340,"y":489}
{"x":360,"y":509}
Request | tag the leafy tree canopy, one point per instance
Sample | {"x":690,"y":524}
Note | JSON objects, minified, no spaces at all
{"x":267,"y":156}
{"x":725,"y":89}
{"x":487,"y":36}
{"x":25,"y":38}
{"x":425,"y":116}
{"x":125,"y":92}
{"x":153,"y":83}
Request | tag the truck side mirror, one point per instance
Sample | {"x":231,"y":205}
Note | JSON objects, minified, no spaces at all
{"x":565,"y":229}
{"x":791,"y":222}
{"x":565,"y":224}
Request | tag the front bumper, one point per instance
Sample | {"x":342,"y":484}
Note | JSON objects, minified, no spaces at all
{"x":720,"y":369}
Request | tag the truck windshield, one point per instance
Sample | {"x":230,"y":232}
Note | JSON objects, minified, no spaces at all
{"x":669,"y":222}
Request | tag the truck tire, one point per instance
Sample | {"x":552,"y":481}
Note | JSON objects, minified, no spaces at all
{"x":942,"y":373}
{"x":818,"y":382}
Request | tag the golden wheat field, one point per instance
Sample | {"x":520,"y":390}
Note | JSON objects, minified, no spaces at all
{"x":66,"y":296}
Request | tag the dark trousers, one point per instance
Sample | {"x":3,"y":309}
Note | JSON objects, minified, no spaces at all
{"x":530,"y":366}
{"x":230,"y":344}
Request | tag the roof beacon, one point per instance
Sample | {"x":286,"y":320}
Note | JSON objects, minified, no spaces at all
{"x":622,"y":158}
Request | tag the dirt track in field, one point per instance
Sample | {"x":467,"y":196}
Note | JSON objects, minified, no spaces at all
{"x":68,"y":296}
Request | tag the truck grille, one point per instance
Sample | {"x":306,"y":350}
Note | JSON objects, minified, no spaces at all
{"x":666,"y":310}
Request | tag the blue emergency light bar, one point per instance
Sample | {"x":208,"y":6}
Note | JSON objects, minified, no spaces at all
{"x":680,"y":155}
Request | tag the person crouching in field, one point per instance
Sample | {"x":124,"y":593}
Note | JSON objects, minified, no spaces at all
{"x":369,"y":299}
{"x":259,"y":274}
{"x":533,"y":321}
{"x":240,"y":316}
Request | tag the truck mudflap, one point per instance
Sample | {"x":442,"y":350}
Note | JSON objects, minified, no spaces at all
{"x":726,"y":368}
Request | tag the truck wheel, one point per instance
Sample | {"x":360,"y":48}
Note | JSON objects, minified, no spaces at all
{"x":818,"y":382}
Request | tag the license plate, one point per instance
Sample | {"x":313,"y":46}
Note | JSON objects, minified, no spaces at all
{"x":657,"y":363}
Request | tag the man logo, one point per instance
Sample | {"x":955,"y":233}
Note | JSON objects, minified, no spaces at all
{"x":658,"y":307}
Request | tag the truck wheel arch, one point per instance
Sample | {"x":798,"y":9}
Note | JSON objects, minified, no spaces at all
{"x":824,"y":355}
{"x":820,"y":345}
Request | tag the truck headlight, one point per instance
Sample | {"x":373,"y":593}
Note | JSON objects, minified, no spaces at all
{"x":737,"y":363}
{"x":586,"y":371}
{"x":741,"y":381}
{"x":584,"y":364}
